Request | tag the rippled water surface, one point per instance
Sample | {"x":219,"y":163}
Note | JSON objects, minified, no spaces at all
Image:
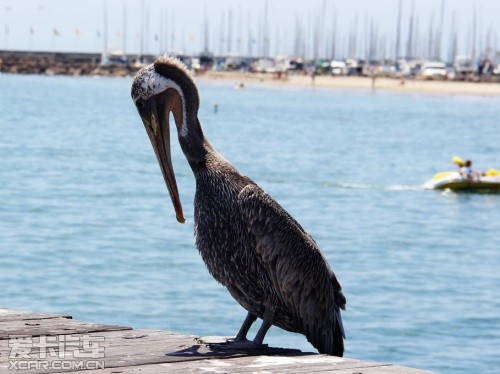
{"x":87,"y":227}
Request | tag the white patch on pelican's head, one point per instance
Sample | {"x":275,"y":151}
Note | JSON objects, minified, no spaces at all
{"x":148,"y":83}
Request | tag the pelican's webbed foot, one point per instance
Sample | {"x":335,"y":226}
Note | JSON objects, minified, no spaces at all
{"x":237,"y":344}
{"x":240,"y":342}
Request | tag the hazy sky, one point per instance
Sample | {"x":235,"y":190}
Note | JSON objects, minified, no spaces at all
{"x":68,"y":25}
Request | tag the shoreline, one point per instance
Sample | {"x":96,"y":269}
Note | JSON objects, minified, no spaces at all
{"x":73,"y":64}
{"x":409,"y":86}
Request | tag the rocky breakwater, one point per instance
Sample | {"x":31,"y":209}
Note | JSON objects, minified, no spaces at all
{"x":50,"y":63}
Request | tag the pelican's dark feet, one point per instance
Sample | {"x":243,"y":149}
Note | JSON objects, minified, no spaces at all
{"x":237,"y":345}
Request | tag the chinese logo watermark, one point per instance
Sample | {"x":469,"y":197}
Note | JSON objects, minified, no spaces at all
{"x":68,"y":352}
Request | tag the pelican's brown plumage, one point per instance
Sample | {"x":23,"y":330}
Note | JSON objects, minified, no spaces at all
{"x":267,"y":261}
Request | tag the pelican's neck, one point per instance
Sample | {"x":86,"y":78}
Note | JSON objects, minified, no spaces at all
{"x":200,"y":154}
{"x":192,"y":141}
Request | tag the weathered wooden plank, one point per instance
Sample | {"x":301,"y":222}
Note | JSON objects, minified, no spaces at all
{"x":234,"y":365}
{"x":150,"y":351}
{"x":57,"y":344}
{"x":52,"y":326}
{"x":266,"y":364}
{"x":7,"y":314}
{"x":120,"y":348}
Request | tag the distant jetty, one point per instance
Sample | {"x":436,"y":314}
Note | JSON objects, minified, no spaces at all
{"x":61,"y":63}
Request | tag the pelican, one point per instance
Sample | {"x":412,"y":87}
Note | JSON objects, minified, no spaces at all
{"x":269,"y":264}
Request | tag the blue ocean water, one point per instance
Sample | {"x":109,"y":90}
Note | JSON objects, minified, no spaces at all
{"x":87,"y":227}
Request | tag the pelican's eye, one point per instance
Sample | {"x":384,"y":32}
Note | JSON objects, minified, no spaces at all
{"x":140,"y":104}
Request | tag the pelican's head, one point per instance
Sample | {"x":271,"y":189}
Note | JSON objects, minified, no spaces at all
{"x":159,"y":89}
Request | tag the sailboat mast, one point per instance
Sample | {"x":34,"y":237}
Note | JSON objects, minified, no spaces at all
{"x":398,"y":32}
{"x":105,"y":46}
{"x":409,"y":46}
{"x":124,"y":29}
{"x":141,"y":40}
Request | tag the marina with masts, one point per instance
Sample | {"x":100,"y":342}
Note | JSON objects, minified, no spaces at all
{"x":321,"y":41}
{"x":317,"y":37}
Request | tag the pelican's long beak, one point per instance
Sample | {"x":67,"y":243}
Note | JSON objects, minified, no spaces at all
{"x":155,"y":113}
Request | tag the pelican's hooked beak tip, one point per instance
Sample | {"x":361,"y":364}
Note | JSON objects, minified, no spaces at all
{"x":179,"y":214}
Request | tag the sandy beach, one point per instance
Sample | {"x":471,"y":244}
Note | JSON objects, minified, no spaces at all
{"x":356,"y":83}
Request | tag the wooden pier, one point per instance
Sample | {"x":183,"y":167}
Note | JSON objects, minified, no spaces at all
{"x":47,"y":343}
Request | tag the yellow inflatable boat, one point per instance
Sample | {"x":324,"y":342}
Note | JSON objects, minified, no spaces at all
{"x":484,"y":181}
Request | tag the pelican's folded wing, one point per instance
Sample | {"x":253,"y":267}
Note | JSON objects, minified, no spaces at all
{"x":301,"y":276}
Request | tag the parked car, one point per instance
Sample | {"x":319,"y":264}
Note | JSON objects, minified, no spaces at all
{"x":264,"y":65}
{"x":464,"y":66}
{"x":434,"y":70}
{"x":338,"y":67}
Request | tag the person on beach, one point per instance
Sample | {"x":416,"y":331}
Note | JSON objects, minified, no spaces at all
{"x":312,"y":73}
